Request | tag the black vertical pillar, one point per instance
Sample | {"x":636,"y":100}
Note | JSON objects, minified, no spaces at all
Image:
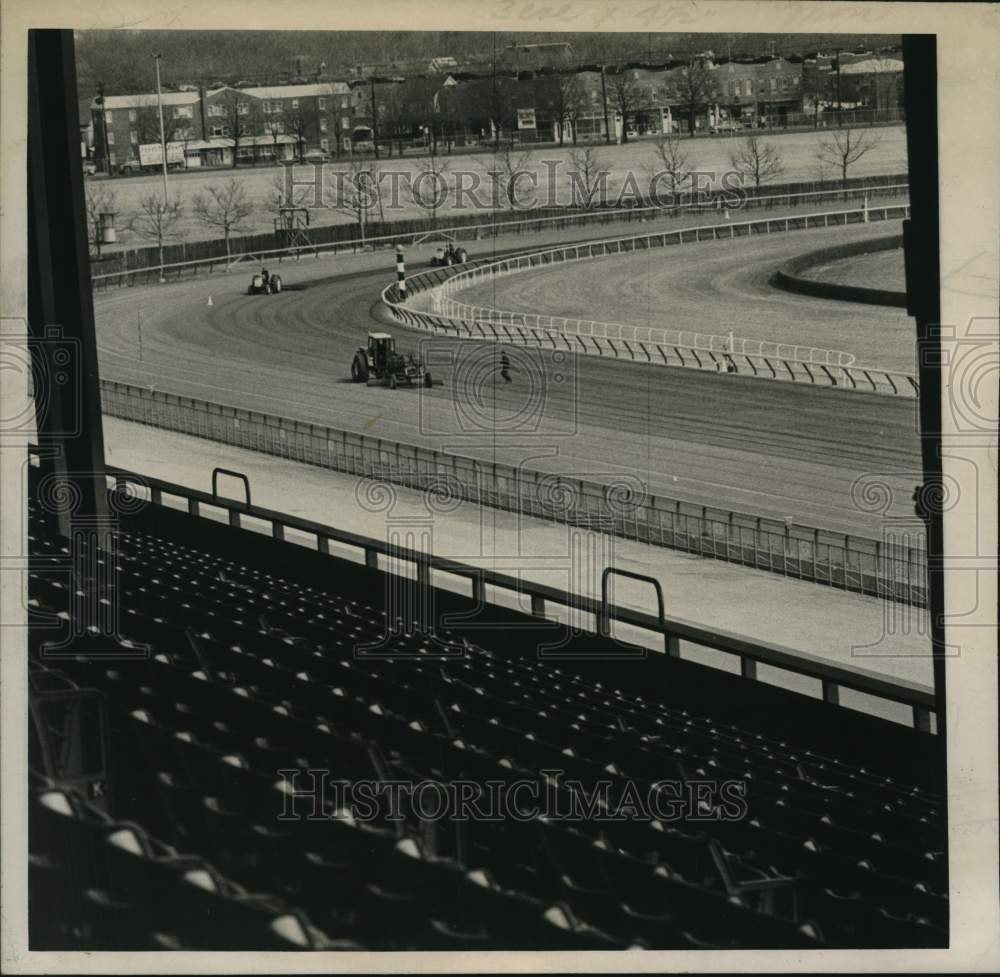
{"x":923,"y":287}
{"x":61,"y":330}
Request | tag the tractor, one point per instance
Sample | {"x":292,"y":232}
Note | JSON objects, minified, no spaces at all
{"x":380,"y":363}
{"x":448,"y":254}
{"x":259,"y":285}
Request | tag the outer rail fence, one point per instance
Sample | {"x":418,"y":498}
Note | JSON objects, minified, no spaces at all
{"x":416,"y":231}
{"x":757,"y":358}
{"x":665,"y":634}
{"x":878,"y":568}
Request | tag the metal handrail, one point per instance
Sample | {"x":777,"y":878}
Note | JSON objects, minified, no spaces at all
{"x":833,"y":677}
{"x":216,"y":472}
{"x":642,"y":578}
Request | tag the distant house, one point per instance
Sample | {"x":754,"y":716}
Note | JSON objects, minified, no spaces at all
{"x":439,"y":65}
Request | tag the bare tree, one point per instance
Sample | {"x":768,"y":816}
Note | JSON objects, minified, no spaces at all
{"x":99,"y":200}
{"x":356,"y":190}
{"x":671,"y":163}
{"x":284,"y":191}
{"x":157,"y":219}
{"x":452,"y":116}
{"x":225,"y":207}
{"x":844,"y":147}
{"x":274,"y":126}
{"x":430,"y":183}
{"x":493,"y":99}
{"x":302,"y":125}
{"x":147,"y":124}
{"x":817,"y":89}
{"x":587,"y":178}
{"x":625,"y":98}
{"x":507,"y":170}
{"x":566,"y":104}
{"x":240,"y":110}
{"x":394,"y":120}
{"x":757,"y":159}
{"x":695,"y":89}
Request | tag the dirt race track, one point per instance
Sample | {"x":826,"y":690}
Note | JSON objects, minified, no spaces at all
{"x":714,"y":287}
{"x":773,"y":449}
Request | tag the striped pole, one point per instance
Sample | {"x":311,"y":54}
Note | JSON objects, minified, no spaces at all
{"x":400,"y":273}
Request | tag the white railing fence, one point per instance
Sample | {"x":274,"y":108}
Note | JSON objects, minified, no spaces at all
{"x":431,"y":304}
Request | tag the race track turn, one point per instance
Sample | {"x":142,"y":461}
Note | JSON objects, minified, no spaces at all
{"x":714,"y":287}
{"x":772,"y":449}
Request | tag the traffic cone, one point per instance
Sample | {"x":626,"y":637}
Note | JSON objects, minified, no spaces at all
{"x":210,"y":301}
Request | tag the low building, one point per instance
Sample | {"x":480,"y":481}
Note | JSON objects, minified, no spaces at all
{"x":875,"y":82}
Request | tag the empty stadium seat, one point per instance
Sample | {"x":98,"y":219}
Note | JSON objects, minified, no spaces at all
{"x":233,"y":675}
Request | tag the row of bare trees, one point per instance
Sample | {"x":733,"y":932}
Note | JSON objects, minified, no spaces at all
{"x":227,"y":208}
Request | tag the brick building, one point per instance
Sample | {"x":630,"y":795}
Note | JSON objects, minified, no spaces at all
{"x":768,"y":89}
{"x":209,"y":127}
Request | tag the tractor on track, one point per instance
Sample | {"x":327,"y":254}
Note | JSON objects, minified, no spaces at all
{"x":264,"y":284}
{"x":381,"y":364}
{"x":448,"y":254}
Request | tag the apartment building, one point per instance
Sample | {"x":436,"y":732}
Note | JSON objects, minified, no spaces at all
{"x":212,"y":127}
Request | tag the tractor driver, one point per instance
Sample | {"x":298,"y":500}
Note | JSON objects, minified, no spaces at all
{"x":265,"y":277}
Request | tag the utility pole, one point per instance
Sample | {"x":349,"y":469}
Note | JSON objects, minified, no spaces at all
{"x":604,"y":99}
{"x":104,"y":126}
{"x":163,"y":142}
{"x":375,"y":121}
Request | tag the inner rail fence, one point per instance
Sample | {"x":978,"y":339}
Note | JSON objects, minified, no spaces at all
{"x":416,"y":231}
{"x":886,"y":568}
{"x":430,"y":304}
{"x":915,"y":705}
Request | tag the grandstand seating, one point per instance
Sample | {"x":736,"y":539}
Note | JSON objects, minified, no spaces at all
{"x":235,"y":657}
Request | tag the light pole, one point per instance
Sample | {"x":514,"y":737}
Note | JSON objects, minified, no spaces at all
{"x":163,"y":143}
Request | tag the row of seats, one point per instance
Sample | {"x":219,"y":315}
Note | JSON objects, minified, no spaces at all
{"x":221,"y":674}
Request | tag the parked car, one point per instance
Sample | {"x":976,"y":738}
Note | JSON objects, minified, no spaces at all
{"x":316,"y":156}
{"x":725,"y":125}
{"x":89,"y":167}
